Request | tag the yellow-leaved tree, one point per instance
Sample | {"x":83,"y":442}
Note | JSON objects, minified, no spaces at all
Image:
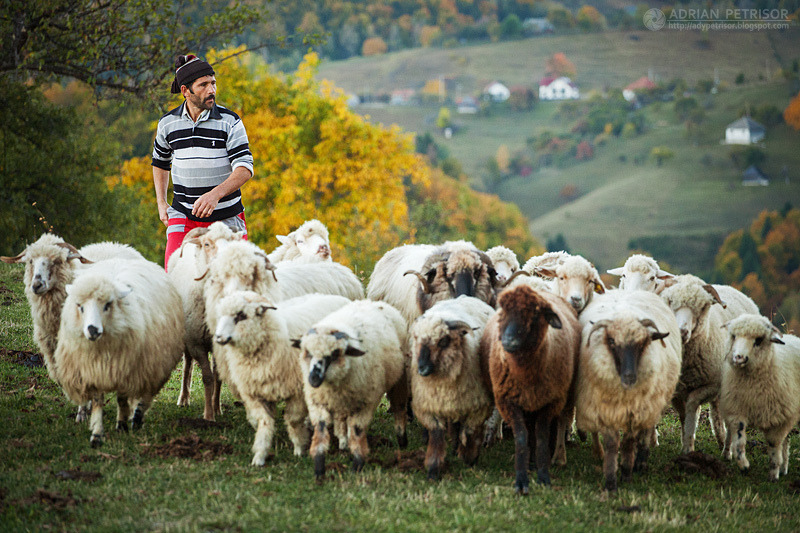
{"x":313,"y":158}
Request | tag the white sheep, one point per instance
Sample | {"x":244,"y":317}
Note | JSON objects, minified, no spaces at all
{"x":446,"y":382}
{"x":574,"y":278}
{"x":641,"y":272}
{"x":698,"y":308}
{"x":630,"y":363}
{"x":761,"y":389}
{"x":198,"y":249}
{"x":121,"y":331}
{"x":50,"y":265}
{"x":255,"y":339}
{"x":388,"y":282}
{"x":505,"y":263}
{"x":349,"y":360}
{"x":308,"y":243}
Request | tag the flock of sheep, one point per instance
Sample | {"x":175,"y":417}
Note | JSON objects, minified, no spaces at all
{"x":469,"y":338}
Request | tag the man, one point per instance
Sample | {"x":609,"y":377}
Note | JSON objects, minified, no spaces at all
{"x":205,"y":146}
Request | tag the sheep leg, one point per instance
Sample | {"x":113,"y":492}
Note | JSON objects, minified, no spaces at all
{"x":785,"y":469}
{"x":357,"y":438}
{"x":727,"y":450}
{"x":199,"y":354}
{"x":693,"y":402}
{"x":739,"y":445}
{"x":469,"y":443}
{"x":454,"y":434}
{"x":436,"y":452}
{"x":261,"y":414}
{"x":543,"y":432}
{"x":320,"y":443}
{"x":776,"y":439}
{"x":295,"y":414}
{"x":215,"y":400}
{"x":398,"y":406}
{"x":141,"y":408}
{"x":597,"y":448}
{"x":123,"y":413}
{"x":340,"y":431}
{"x":611,"y":446}
{"x":717,"y":424}
{"x":186,"y":381}
{"x":521,"y":449}
{"x":96,"y":421}
{"x":83,"y":412}
{"x":643,"y":451}
{"x":628,"y":456}
{"x":564,"y":421}
{"x":493,"y":429}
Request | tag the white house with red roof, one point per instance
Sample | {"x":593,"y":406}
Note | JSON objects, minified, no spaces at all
{"x":561,"y":88}
{"x":497,"y":92}
{"x":642,"y":84}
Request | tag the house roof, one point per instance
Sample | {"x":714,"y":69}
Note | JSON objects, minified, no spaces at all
{"x":545,"y":82}
{"x":642,"y":83}
{"x":746,"y":123}
{"x":753,"y":173}
{"x":494,"y":85}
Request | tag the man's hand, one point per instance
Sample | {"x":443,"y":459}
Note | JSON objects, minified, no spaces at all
{"x":162,"y":213}
{"x":204,"y":206}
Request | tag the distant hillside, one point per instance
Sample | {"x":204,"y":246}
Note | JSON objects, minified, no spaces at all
{"x":680,"y":211}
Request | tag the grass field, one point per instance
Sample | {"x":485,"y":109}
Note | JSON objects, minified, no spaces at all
{"x":695,"y":196}
{"x":180,"y":474}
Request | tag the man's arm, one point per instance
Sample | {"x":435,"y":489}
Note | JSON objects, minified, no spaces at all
{"x":161,"y":182}
{"x":205,"y":205}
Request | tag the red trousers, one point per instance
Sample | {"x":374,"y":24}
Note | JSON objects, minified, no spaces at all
{"x":177,"y":228}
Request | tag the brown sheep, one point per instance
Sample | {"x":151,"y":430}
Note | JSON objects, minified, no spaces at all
{"x":530,"y":348}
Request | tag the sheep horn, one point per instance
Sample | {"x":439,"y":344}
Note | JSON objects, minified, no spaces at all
{"x":713,"y":292}
{"x":455,"y":324}
{"x":544,"y":272}
{"x":648,"y":323}
{"x":425,"y":286}
{"x":14,"y":259}
{"x":202,"y":275}
{"x":514,"y":275}
{"x":73,"y":253}
{"x":339,"y":335}
{"x":192,"y":237}
{"x":597,"y":325}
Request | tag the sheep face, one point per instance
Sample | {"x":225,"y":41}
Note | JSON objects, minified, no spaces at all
{"x":750,"y":337}
{"x":233,"y":313}
{"x":523,"y":320}
{"x":576,"y":281}
{"x":46,"y":261}
{"x":504,"y":271}
{"x":690,"y":303}
{"x":641,"y":273}
{"x":96,"y":302}
{"x":326,"y":355}
{"x":439,"y":350}
{"x":450,"y":274}
{"x":243,"y":267}
{"x":627,"y":339}
{"x":311,"y":244}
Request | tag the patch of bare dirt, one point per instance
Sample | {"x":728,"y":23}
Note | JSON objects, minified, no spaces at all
{"x":78,"y":475}
{"x":50,"y":499}
{"x":24,"y":358}
{"x":200,"y":423}
{"x":402,"y":460}
{"x":702,"y":463}
{"x":189,"y":447}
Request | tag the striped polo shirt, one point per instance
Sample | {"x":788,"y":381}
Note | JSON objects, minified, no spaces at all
{"x":201,"y":156}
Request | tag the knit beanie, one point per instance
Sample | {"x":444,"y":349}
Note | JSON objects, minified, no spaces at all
{"x":187,"y":69}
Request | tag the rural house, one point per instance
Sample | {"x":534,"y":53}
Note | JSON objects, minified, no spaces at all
{"x":467,"y":105}
{"x":754,"y":176}
{"x":558,"y":89}
{"x":496,"y":92}
{"x":642,"y":84}
{"x":744,"y":131}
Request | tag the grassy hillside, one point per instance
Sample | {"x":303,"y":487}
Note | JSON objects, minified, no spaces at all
{"x":180,"y":473}
{"x":685,"y":207}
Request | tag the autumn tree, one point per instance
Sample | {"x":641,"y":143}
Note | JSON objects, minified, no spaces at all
{"x":589,"y":19}
{"x":792,"y":112}
{"x":558,"y":65}
{"x":373,"y":46}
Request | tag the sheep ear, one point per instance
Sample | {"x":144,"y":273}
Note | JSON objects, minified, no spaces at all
{"x":430,"y":275}
{"x":599,"y":288}
{"x":775,"y":339}
{"x":295,"y":343}
{"x":545,"y":272}
{"x":283,"y":239}
{"x":658,"y":336}
{"x":261,"y":309}
{"x":552,"y":319}
{"x":669,"y":282}
{"x":663,"y":274}
{"x":352,"y":351}
{"x":616,"y":271}
{"x":123,"y":289}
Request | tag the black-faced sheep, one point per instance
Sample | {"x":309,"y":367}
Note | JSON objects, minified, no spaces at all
{"x":630,"y":362}
{"x":255,"y":339}
{"x":700,"y":314}
{"x":641,"y":272}
{"x":761,"y":388}
{"x":198,"y":249}
{"x":446,"y":382}
{"x":307,"y":244}
{"x":349,"y":360}
{"x":121,"y":331}
{"x":388,"y":282}
{"x":530,"y":348}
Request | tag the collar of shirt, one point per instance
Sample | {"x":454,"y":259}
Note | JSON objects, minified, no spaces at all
{"x":205,"y":115}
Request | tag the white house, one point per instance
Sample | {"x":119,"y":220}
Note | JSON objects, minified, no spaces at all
{"x":558,"y":89}
{"x":467,"y":105}
{"x":754,"y":176}
{"x":744,"y":131}
{"x":642,"y":84}
{"x":497,"y":92}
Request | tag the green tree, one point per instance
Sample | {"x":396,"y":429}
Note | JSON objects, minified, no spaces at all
{"x":443,"y":120}
{"x":115,"y":44}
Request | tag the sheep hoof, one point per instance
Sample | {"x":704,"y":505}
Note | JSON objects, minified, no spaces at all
{"x":138,"y":419}
{"x":96,"y":441}
{"x":521,"y":486}
{"x":319,"y":467}
{"x":358,"y":463}
{"x":433,"y":473}
{"x":543,"y":478}
{"x":521,"y":490}
{"x":402,"y":441}
{"x":122,"y":426}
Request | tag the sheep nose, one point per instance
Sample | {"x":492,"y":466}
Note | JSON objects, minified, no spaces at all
{"x":220,"y":339}
{"x":38,"y":285}
{"x":324,"y":250}
{"x":425,"y":370}
{"x":628,"y":380}
{"x":684,"y":334}
{"x":576,"y":301}
{"x":94,"y":333}
{"x":739,"y":360}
